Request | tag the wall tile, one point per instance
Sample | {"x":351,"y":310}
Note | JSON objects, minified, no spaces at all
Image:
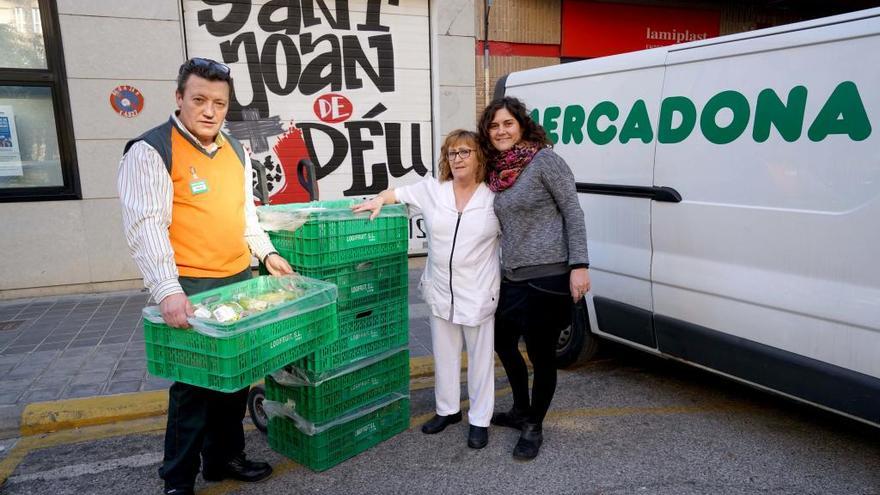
{"x":48,"y":247}
{"x":98,"y":160}
{"x":94,"y":118}
{"x":152,"y":9}
{"x":456,"y":67}
{"x":456,"y":109}
{"x":106,"y":249}
{"x":125,"y":48}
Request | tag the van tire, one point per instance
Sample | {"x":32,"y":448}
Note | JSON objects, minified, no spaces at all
{"x":576,"y":343}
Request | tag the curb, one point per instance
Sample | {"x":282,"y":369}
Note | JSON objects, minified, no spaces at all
{"x":45,"y":417}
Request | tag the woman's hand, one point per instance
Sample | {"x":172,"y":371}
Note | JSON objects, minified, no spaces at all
{"x":373,"y":205}
{"x":579,"y":283}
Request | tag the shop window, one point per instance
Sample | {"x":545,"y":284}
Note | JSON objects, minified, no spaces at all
{"x":37,"y":161}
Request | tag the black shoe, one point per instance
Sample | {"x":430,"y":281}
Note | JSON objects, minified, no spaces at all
{"x":439,"y":423}
{"x":529,"y":442}
{"x":511,"y":419}
{"x":239,"y":469}
{"x":478,"y":437}
{"x":179,"y":491}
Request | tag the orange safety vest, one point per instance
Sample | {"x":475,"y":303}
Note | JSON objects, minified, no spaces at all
{"x":207,"y":229}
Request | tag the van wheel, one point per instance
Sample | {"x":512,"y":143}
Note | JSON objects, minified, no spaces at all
{"x":576,"y":343}
{"x":255,"y":407}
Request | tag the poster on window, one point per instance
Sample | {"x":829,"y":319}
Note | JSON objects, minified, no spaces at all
{"x":344,"y":84}
{"x":10,"y":157}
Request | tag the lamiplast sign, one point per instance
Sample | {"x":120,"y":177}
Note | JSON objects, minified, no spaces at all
{"x":727,"y":116}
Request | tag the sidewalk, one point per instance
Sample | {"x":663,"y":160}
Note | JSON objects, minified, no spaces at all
{"x":88,"y":345}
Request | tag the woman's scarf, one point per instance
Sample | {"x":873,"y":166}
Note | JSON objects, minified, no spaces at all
{"x":505,"y":166}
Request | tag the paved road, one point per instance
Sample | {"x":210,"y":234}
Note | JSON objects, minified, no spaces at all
{"x":625,"y":424}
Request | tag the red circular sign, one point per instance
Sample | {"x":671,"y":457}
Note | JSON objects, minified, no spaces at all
{"x":333,"y":108}
{"x":127,"y":101}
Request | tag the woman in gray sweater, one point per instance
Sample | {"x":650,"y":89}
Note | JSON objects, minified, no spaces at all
{"x":544,"y":260}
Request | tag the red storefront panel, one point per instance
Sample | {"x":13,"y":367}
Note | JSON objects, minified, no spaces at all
{"x":595,"y":29}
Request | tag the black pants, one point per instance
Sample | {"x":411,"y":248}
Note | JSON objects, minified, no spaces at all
{"x":536,"y":309}
{"x":202,"y":421}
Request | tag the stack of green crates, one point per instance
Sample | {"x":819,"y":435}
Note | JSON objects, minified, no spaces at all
{"x":352,"y":388}
{"x":367,"y":363}
{"x":345,"y":440}
{"x":230,"y":358}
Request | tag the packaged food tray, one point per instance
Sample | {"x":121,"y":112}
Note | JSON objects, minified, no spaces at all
{"x":228,"y":356}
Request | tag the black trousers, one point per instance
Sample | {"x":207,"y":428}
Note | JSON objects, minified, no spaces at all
{"x":202,"y":421}
{"x":537,"y":310}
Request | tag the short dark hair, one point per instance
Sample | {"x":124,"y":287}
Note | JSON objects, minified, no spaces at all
{"x":531,"y":130}
{"x":204,"y":68}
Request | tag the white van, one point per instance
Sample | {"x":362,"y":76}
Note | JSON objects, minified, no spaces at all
{"x":731,"y":189}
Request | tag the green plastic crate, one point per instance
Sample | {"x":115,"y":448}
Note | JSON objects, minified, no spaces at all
{"x":239,"y":353}
{"x":364,"y":282}
{"x":360,"y":338}
{"x":340,"y":395}
{"x":341,"y":442}
{"x":380,"y":318}
{"x":189,"y":367}
{"x":333,"y":235}
{"x":368,"y":296}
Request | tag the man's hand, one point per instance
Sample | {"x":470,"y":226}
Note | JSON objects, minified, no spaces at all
{"x":277,"y":265}
{"x":579,"y":283}
{"x":176,"y":308}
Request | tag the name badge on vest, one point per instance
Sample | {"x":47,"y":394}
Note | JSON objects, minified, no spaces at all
{"x":196,"y":185}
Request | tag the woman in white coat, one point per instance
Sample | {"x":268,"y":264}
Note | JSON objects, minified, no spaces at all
{"x":461,"y":279}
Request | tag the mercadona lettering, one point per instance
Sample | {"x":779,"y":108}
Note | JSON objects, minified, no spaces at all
{"x":842,"y":113}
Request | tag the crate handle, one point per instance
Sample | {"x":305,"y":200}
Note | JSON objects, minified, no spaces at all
{"x":363,"y":314}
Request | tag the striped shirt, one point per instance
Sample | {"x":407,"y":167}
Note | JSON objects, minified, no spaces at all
{"x":147,"y":194}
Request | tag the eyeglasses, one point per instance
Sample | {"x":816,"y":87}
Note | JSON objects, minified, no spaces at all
{"x":212,"y":65}
{"x":464,"y":154}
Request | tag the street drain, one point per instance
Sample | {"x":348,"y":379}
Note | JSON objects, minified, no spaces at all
{"x":10,"y":325}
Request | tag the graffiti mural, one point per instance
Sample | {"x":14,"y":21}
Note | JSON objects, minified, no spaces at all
{"x":343,"y":83}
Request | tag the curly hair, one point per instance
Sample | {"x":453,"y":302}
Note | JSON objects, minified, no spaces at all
{"x":467,"y":137}
{"x":531,"y":130}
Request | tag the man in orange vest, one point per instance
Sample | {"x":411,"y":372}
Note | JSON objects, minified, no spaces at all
{"x":191,"y":225}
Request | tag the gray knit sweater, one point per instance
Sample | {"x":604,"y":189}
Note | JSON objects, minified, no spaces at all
{"x":541,"y":220}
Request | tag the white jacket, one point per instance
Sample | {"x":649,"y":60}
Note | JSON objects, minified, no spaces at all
{"x":465,"y":246}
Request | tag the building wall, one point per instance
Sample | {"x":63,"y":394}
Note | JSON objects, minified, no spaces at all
{"x":737,"y":18}
{"x":73,"y":246}
{"x":68,"y":246}
{"x":518,"y":25}
{"x":522,"y":21}
{"x":61,"y":246}
{"x":454,"y":35}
